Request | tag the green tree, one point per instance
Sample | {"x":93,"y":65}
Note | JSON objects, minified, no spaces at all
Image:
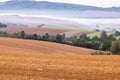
{"x":84,"y":36}
{"x":115,"y":47}
{"x":22,"y":34}
{"x":106,"y":45}
{"x":95,"y":38}
{"x":96,"y":45}
{"x":46,"y":37}
{"x":35,"y":36}
{"x":59,"y":38}
{"x":103,"y":35}
{"x":111,"y":38}
{"x":3,"y":25}
{"x":79,"y":42}
{"x":117,"y":33}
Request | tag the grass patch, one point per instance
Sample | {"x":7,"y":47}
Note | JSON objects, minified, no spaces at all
{"x":69,"y":29}
{"x":118,"y":37}
{"x":97,"y":34}
{"x":66,"y":28}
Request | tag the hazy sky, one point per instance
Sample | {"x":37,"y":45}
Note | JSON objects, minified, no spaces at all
{"x":99,"y":3}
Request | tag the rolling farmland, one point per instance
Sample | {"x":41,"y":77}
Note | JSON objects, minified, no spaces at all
{"x":38,"y":60}
{"x":44,"y":30}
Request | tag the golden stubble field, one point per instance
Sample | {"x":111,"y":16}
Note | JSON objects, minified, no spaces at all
{"x":31,"y":65}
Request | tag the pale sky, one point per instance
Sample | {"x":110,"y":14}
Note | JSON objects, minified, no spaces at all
{"x":99,"y":3}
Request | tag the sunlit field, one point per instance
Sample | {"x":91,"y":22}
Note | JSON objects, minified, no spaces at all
{"x":59,"y":39}
{"x":98,"y":34}
{"x":14,"y":66}
{"x":18,"y":62}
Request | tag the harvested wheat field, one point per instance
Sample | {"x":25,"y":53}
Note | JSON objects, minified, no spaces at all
{"x":34,"y":60}
{"x":30,"y":46}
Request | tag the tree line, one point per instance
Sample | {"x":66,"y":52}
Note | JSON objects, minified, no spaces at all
{"x":104,"y":42}
{"x":3,"y":25}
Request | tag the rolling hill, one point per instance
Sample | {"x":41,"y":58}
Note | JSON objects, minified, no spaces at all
{"x":30,"y":46}
{"x":31,"y":4}
{"x":26,"y":60}
{"x":59,"y":9}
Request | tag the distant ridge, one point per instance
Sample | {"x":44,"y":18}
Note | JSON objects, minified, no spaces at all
{"x":31,"y":4}
{"x":57,"y":9}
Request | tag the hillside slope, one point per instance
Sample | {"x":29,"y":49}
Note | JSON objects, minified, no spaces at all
{"x":57,"y":9}
{"x":18,"y":61}
{"x":8,"y":45}
{"x":31,"y":4}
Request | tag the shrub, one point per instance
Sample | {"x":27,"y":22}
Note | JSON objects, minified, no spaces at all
{"x":99,"y":53}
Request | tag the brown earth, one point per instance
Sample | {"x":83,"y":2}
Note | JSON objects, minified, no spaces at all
{"x":31,"y":46}
{"x":31,"y":30}
{"x":26,"y":60}
{"x":42,"y":31}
